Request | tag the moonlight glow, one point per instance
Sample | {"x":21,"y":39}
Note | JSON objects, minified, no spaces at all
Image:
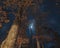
{"x":31,"y":26}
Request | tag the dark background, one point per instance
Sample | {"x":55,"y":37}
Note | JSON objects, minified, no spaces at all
{"x":53,"y":18}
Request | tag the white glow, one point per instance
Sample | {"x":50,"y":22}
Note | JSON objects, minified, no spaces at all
{"x":31,"y":26}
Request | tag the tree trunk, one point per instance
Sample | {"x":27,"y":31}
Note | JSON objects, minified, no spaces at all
{"x":10,"y":40}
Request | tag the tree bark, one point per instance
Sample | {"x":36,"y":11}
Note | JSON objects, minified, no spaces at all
{"x":10,"y":40}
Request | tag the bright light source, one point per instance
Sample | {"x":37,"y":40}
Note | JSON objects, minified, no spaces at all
{"x":31,"y":26}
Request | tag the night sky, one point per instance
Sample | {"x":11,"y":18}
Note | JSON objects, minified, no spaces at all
{"x":53,"y":18}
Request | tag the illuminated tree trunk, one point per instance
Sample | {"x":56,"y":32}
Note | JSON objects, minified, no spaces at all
{"x":10,"y":40}
{"x":38,"y":45}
